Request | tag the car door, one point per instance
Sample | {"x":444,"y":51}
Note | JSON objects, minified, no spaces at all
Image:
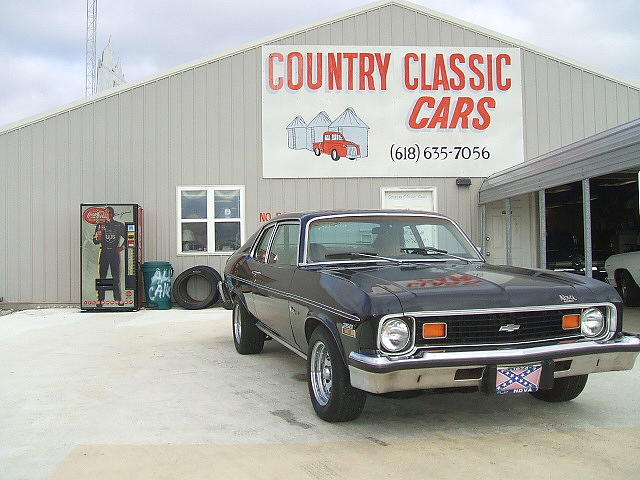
{"x":254,"y":266}
{"x":274,"y":281}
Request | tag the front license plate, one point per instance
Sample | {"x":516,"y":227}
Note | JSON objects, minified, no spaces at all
{"x":518,"y":379}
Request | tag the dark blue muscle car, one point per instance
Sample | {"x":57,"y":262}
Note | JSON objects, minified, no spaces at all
{"x":398,"y":301}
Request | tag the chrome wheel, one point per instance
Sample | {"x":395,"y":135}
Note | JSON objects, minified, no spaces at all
{"x":321,"y":373}
{"x":237,"y":324}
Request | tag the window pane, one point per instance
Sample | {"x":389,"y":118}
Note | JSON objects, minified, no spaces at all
{"x":194,"y":204}
{"x":227,"y":203}
{"x":340,"y":239}
{"x":227,"y":236}
{"x":284,"y":249}
{"x":194,"y":237}
{"x":261,"y":249}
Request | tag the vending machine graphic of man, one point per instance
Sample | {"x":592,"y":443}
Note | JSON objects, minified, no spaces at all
{"x":108,"y":234}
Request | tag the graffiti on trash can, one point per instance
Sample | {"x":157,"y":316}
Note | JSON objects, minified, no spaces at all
{"x":160,"y":288}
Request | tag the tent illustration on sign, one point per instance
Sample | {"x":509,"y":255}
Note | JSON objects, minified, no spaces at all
{"x":346,"y":136}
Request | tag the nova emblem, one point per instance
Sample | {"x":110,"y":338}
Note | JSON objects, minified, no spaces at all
{"x":567,"y":298}
{"x":509,"y":328}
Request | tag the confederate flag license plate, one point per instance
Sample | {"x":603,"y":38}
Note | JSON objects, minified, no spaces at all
{"x":518,"y":379}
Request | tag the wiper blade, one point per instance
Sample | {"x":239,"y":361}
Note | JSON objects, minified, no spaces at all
{"x":362,"y":255}
{"x":429,"y":250}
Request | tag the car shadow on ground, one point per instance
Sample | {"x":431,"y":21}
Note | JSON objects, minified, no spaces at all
{"x":433,"y":410}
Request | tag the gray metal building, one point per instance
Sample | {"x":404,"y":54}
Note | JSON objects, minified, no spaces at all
{"x":200,"y":125}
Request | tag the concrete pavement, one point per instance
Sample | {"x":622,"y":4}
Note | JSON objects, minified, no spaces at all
{"x":163,"y":394}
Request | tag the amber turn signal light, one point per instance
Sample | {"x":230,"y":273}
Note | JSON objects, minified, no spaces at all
{"x":570,"y":321}
{"x":434,"y":330}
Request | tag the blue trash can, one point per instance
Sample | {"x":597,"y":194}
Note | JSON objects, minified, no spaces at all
{"x":157,"y":284}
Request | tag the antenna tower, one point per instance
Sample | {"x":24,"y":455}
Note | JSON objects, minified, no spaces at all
{"x":90,"y":71}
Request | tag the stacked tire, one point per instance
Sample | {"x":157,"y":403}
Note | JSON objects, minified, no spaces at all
{"x":181,"y":294}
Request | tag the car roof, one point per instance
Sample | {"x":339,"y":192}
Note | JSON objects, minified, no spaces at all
{"x":306,"y":216}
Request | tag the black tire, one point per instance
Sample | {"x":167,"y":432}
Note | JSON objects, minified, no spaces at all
{"x":564,"y":389}
{"x":248,"y":339}
{"x":343,"y":402}
{"x":334,"y":155}
{"x":629,"y":289}
{"x":181,"y":295}
{"x":317,"y":152}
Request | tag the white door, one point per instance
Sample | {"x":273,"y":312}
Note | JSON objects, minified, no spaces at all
{"x":409,"y":198}
{"x":522,"y":250}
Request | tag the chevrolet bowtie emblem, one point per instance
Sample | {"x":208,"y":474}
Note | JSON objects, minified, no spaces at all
{"x":509,"y":328}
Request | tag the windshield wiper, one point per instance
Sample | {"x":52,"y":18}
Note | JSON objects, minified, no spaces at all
{"x":362,"y":255}
{"x":429,"y":250}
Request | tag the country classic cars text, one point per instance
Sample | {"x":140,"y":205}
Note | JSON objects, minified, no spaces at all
{"x":420,"y":71}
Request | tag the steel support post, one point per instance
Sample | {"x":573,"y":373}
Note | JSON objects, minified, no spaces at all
{"x":508,"y":230}
{"x":586,"y":217}
{"x":542,"y":230}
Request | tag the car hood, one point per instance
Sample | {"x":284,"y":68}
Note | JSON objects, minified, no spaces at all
{"x":454,"y":286}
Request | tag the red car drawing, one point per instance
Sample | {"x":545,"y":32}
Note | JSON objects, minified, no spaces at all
{"x":334,"y":144}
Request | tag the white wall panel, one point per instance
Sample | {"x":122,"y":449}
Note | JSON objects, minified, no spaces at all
{"x":203,"y":126}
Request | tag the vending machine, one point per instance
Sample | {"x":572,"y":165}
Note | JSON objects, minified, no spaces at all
{"x":110,"y":257}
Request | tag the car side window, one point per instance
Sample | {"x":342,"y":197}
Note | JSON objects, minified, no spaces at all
{"x":284,"y":249}
{"x":263,"y":245}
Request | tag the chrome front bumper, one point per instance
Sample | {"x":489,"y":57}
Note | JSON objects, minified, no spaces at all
{"x":379,"y":374}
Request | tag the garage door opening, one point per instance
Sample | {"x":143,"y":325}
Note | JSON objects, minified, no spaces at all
{"x":615,"y":222}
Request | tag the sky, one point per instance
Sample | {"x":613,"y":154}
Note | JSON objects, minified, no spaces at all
{"x":42,"y":42}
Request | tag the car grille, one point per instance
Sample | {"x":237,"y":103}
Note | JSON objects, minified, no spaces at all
{"x":351,"y":151}
{"x":479,"y":329}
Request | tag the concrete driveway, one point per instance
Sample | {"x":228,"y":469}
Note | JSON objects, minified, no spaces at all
{"x":163,"y":394}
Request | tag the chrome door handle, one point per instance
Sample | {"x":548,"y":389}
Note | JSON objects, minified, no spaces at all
{"x":255,"y":273}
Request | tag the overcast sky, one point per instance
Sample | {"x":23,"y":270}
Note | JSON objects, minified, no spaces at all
{"x":42,"y":42}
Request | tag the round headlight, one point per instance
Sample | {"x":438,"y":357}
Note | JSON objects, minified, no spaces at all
{"x":395,"y":334}
{"x":592,"y":322}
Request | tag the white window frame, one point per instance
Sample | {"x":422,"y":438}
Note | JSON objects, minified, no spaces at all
{"x":433,"y":190}
{"x":210,"y":220}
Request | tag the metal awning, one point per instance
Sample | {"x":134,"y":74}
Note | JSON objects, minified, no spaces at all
{"x":610,"y":151}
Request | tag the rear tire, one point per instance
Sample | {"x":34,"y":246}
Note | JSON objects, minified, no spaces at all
{"x":629,"y":289}
{"x":247,"y":338}
{"x":564,"y":389}
{"x":332,"y":396}
{"x":317,"y":152}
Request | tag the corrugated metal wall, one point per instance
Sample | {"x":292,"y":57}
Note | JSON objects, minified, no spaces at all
{"x":202,"y":126}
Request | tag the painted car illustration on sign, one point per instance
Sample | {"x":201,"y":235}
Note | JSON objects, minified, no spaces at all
{"x":348,"y":135}
{"x":334,"y":144}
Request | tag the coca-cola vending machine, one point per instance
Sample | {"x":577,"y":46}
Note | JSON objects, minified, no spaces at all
{"x":110,"y":257}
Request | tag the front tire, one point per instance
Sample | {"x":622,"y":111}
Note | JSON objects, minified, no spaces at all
{"x":334,"y":155}
{"x":564,"y":389}
{"x":629,"y":289}
{"x":247,"y":338}
{"x":332,"y":396}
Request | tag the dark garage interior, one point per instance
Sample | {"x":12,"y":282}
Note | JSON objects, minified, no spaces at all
{"x":615,"y":222}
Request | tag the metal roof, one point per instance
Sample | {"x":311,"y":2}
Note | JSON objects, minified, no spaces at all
{"x":297,"y":122}
{"x":320,"y":120}
{"x":610,"y":151}
{"x":277,"y":37}
{"x":348,"y":118}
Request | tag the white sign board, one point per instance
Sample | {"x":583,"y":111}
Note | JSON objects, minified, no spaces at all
{"x":357,"y":111}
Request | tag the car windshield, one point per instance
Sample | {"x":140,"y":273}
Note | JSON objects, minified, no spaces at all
{"x":402,"y":238}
